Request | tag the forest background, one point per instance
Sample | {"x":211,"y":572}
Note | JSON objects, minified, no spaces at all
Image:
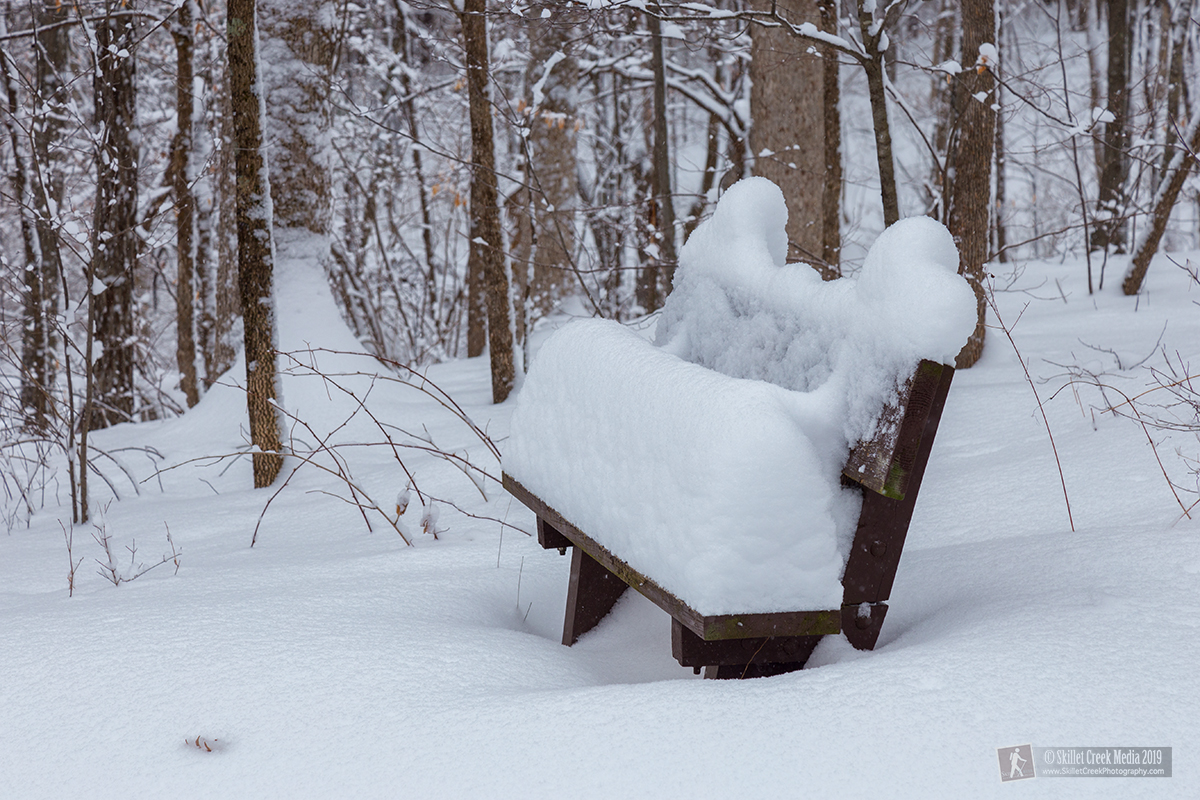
{"x":460,"y":171}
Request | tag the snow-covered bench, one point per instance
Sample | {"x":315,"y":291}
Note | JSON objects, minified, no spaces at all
{"x":709,"y":470}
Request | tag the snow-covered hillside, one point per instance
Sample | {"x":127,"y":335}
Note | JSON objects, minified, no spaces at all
{"x":331,"y":661}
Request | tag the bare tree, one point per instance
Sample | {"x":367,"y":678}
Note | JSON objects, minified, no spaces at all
{"x":185,"y":202}
{"x":831,"y":203}
{"x":1109,"y":229}
{"x":256,"y":257}
{"x":1174,"y":177}
{"x":51,"y":117}
{"x":34,"y":361}
{"x":664,"y":203}
{"x":486,"y":247}
{"x":971,"y":199}
{"x":115,"y":241}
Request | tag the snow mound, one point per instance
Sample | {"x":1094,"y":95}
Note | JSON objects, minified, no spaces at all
{"x":738,"y":309}
{"x":711,"y":461}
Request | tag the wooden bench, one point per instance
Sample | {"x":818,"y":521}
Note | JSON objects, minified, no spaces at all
{"x":888,"y":467}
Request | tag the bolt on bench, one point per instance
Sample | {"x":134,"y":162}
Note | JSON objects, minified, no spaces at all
{"x":755,"y":474}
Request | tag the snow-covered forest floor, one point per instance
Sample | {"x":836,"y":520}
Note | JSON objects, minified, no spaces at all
{"x":331,"y":661}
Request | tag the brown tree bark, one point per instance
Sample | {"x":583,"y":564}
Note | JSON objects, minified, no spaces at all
{"x":255,"y":249}
{"x":971,"y":199}
{"x":115,"y":241}
{"x":48,"y":174}
{"x":661,"y":158}
{"x":1001,"y":157}
{"x":1108,"y":229}
{"x":831,"y":202}
{"x":185,"y":204}
{"x":486,"y":244}
{"x":34,"y":361}
{"x":873,"y":66}
{"x":788,"y":135}
{"x":222,"y":295}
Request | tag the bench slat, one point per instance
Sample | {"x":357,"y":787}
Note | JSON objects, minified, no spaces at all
{"x":886,"y":462}
{"x":708,"y":628}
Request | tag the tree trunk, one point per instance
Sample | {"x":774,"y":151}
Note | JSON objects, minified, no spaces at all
{"x":225,"y":296}
{"x":712,"y":152}
{"x":34,"y":358}
{"x":971,"y":200}
{"x":942,"y":100}
{"x":1168,"y":193}
{"x":873,"y":65}
{"x":787,"y":136}
{"x":1001,"y":156}
{"x":1109,"y":228}
{"x":831,"y":202}
{"x":554,"y":123}
{"x":1176,"y":36}
{"x":255,"y":247}
{"x":114,"y":235}
{"x":185,"y":204}
{"x":486,"y":244}
{"x":663,"y":199}
{"x":49,"y":179}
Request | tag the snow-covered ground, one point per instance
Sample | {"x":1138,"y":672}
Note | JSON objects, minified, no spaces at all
{"x":330,"y":661}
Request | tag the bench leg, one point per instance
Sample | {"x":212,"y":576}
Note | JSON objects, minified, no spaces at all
{"x":592,"y":594}
{"x":862,"y":630}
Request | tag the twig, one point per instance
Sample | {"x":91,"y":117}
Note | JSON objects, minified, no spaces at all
{"x":1008,"y":333}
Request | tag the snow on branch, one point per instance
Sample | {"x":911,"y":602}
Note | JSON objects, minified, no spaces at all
{"x":698,"y":12}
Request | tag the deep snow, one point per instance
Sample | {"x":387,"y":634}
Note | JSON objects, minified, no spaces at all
{"x":329,"y":661}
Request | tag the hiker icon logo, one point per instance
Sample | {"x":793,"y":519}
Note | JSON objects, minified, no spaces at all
{"x":1016,"y":762}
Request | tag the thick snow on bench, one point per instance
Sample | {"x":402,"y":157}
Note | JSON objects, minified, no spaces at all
{"x":710,"y":460}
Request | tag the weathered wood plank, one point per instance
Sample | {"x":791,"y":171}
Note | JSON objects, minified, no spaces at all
{"x":709,"y":628}
{"x":549,"y":537}
{"x":692,"y":651}
{"x":883,"y":522}
{"x":886,"y":462}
